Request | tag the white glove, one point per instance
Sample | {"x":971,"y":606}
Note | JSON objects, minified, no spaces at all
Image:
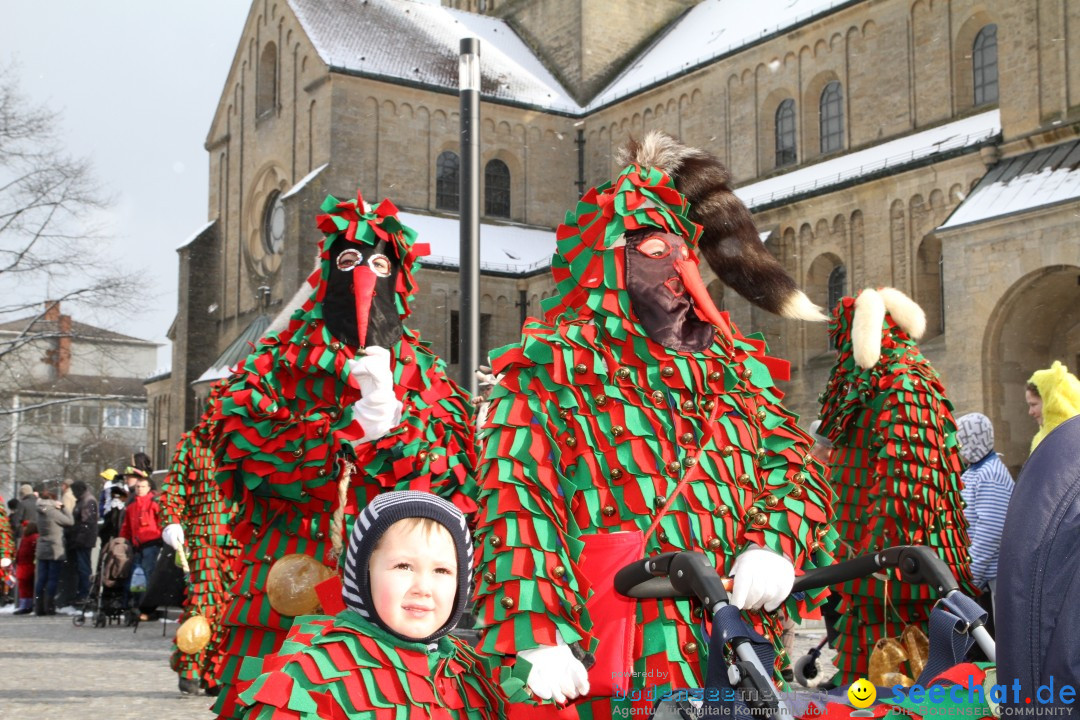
{"x":761,"y":578}
{"x":5,"y":562}
{"x":556,"y":673}
{"x":378,"y":410}
{"x":173,"y":536}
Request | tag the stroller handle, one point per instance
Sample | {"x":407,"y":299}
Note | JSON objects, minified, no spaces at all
{"x":692,"y":574}
{"x":673,"y":574}
{"x":918,"y":565}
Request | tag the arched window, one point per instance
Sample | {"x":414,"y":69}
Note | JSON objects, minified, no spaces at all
{"x":266,"y":82}
{"x":785,"y":133}
{"x":273,"y":230}
{"x":832,"y":118}
{"x":984,"y":62}
{"x":447,"y":181}
{"x":837,"y":279}
{"x":497,"y":189}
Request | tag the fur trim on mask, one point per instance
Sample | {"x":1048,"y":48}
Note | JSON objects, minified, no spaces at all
{"x":905,"y":312}
{"x":730,"y":241}
{"x":866,"y":328}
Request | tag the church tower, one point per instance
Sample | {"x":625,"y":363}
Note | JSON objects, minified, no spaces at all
{"x":584,"y":43}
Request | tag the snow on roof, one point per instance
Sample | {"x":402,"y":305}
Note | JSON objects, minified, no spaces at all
{"x":418,"y":42}
{"x":304,"y":181}
{"x":236,"y":352}
{"x":951,"y":136}
{"x":503,"y":248}
{"x":713,"y":28}
{"x":1035,"y":179}
{"x":195,"y":235}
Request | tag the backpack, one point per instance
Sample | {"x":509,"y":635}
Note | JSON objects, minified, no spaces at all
{"x":117,"y":564}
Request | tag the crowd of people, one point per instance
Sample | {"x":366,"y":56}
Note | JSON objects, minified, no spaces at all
{"x":54,"y":535}
{"x":347,"y":472}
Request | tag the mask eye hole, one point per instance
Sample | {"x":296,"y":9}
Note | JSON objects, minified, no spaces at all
{"x":348,"y":260}
{"x":380,"y":265}
{"x":654,"y":247}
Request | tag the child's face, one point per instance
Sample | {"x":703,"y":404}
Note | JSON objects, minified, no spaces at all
{"x":414,"y":578}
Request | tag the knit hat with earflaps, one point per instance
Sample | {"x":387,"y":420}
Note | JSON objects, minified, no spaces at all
{"x":374,"y":520}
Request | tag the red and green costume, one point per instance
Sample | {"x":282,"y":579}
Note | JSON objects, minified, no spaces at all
{"x":595,"y":429}
{"x":287,"y":434}
{"x":348,"y":667}
{"x":7,"y":540}
{"x":896,"y":472}
{"x":191,"y":498}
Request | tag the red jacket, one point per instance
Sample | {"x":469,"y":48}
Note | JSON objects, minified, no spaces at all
{"x":141,"y":521}
{"x":24,"y":556}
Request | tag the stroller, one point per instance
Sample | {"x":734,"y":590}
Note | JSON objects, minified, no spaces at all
{"x":107,"y":604}
{"x":743,"y":688}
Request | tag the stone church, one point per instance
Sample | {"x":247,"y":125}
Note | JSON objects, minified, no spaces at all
{"x":928,"y":145}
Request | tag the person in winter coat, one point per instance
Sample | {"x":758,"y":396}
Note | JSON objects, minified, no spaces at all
{"x":83,"y":536}
{"x":27,"y":512}
{"x":988,"y":487}
{"x":24,"y":569}
{"x":112,"y":519}
{"x":53,"y":517}
{"x":1053,"y":396}
{"x":142,"y":526}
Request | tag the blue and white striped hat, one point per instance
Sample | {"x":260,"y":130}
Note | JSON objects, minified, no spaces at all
{"x":373,"y":521}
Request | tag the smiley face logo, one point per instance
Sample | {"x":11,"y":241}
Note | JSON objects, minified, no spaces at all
{"x":862,"y":693}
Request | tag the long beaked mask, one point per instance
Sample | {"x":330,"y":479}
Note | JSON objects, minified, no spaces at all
{"x":667,"y":293}
{"x":360,"y":306}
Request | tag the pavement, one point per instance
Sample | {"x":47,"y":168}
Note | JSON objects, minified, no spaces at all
{"x":50,"y":669}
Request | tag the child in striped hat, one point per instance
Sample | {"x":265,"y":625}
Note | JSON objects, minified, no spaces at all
{"x":407,"y":578}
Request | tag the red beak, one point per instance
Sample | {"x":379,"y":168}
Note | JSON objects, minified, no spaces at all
{"x":703,"y":304}
{"x":363,"y":290}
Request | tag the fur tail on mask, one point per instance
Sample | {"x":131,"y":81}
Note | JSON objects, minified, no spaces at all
{"x":730,"y":241}
{"x":870,"y":309}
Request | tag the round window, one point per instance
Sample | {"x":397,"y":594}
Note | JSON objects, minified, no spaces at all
{"x":274,"y":224}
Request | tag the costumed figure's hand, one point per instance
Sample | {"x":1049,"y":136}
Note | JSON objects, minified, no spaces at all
{"x":173,"y":536}
{"x":4,"y":562}
{"x":378,"y":410}
{"x":762,"y":578}
{"x":556,"y":674}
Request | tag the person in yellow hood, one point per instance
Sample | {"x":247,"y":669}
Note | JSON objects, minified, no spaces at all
{"x":1053,"y":396}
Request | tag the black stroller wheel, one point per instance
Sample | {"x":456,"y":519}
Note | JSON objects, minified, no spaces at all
{"x":99,"y":620}
{"x":78,"y":620}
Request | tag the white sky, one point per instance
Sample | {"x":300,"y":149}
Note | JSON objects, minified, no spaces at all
{"x":136,"y":82}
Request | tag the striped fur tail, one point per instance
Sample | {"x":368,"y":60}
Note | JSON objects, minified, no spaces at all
{"x":730,"y":241}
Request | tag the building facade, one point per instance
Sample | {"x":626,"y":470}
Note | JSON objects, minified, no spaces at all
{"x":73,"y":399}
{"x":856,"y":131}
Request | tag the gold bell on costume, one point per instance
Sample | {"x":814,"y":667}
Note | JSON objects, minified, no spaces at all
{"x":290,"y":585}
{"x":193,"y":635}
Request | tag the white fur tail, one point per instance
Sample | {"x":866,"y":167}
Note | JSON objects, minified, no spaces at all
{"x":799,"y":307}
{"x":905,"y":312}
{"x":866,"y":328}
